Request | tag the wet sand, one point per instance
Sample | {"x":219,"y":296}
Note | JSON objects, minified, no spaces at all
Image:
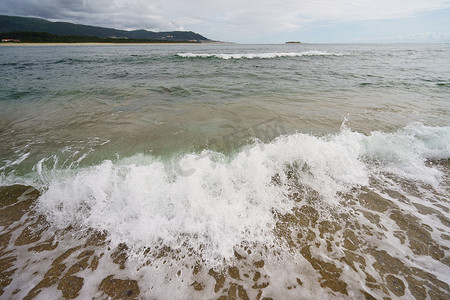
{"x":36,"y":260}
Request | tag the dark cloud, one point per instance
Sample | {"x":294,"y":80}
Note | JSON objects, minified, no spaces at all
{"x":116,"y":14}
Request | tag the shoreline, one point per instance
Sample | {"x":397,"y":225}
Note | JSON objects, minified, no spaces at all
{"x":93,"y":44}
{"x":106,"y":44}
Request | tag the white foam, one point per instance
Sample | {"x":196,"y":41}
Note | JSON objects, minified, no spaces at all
{"x":405,"y":152}
{"x":258,"y":55}
{"x":212,"y":202}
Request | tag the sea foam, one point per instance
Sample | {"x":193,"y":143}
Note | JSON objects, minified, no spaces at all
{"x":224,"y":201}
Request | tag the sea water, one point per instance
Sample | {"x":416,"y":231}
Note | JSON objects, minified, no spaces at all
{"x":281,"y":171}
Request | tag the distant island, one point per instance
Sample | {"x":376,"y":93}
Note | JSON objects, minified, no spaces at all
{"x":35,"y":30}
{"x":293,"y":42}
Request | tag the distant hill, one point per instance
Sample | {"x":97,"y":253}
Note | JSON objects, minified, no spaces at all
{"x":44,"y":37}
{"x":25,"y":24}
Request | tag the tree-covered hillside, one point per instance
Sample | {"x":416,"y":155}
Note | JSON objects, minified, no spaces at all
{"x":25,"y":24}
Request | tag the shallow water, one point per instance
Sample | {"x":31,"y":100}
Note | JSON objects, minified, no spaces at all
{"x":201,"y":171}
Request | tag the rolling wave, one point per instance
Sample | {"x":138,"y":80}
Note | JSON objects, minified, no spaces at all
{"x":256,"y":55}
{"x":213,"y":202}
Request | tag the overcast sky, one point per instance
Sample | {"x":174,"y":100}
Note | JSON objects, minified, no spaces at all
{"x":257,"y":21}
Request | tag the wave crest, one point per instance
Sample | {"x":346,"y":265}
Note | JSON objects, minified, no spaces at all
{"x":223,"y":200}
{"x":257,"y":55}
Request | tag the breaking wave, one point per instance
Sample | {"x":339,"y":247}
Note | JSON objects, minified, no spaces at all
{"x":256,"y":55}
{"x":212,"y":202}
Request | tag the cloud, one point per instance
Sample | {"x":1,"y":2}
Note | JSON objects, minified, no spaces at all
{"x":134,"y":14}
{"x":218,"y":19}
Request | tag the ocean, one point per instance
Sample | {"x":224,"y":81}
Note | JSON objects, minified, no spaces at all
{"x":225,"y":171}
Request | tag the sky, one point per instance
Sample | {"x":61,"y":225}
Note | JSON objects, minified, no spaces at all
{"x":257,"y":21}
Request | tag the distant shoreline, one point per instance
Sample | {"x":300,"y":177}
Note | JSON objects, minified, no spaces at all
{"x":100,"y":44}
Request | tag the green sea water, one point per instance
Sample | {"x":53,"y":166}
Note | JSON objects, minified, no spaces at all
{"x":108,"y":101}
